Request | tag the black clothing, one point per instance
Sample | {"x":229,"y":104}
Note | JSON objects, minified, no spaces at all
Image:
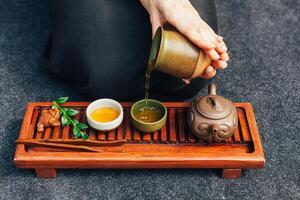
{"x":103,"y":47}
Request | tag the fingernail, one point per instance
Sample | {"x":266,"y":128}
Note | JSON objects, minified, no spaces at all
{"x":225,"y":57}
{"x":209,"y":69}
{"x":216,"y":55}
{"x":220,"y":39}
{"x":222,"y":47}
{"x":224,"y":67}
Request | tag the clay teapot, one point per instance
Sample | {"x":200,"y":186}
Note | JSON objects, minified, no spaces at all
{"x":212,"y":117}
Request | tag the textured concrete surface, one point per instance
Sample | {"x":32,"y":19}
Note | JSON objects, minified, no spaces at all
{"x":263,"y":39}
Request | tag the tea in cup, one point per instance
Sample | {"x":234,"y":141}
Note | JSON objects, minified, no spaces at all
{"x":104,"y":114}
{"x":148,"y":117}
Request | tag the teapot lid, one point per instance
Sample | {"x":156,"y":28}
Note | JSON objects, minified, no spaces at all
{"x":214,"y":106}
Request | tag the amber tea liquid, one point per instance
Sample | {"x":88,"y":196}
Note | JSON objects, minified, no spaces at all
{"x":105,"y":114}
{"x":148,"y":114}
{"x":147,"y":84}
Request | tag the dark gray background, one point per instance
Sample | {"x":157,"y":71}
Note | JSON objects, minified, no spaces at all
{"x":263,"y":40}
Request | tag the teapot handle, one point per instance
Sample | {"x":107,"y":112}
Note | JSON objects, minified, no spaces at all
{"x":212,"y":89}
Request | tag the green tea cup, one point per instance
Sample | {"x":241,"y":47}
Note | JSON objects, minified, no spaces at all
{"x":147,"y":126}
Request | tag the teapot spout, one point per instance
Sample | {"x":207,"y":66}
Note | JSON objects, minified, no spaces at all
{"x":212,"y":89}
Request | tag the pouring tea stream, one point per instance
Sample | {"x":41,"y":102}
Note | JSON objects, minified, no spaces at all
{"x":172,"y":53}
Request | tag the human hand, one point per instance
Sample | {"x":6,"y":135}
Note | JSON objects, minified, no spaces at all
{"x":182,"y":15}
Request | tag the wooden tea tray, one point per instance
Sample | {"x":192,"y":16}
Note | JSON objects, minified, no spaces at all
{"x":171,"y":147}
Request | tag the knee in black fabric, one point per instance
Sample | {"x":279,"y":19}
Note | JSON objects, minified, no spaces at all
{"x":100,"y":46}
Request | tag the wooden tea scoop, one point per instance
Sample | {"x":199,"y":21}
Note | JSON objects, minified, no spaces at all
{"x":33,"y":143}
{"x":77,"y":142}
{"x":88,"y":142}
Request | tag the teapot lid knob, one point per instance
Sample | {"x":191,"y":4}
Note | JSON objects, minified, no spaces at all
{"x":212,"y":89}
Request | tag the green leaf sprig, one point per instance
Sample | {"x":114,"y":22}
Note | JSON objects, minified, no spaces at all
{"x":66,"y":120}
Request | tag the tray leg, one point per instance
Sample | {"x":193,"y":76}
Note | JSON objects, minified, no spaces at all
{"x":231,"y":173}
{"x":45,"y":172}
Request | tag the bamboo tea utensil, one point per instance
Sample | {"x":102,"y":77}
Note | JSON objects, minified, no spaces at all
{"x":33,"y":143}
{"x":76,"y":142}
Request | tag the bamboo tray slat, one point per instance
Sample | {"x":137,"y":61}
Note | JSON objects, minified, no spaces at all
{"x":171,"y":147}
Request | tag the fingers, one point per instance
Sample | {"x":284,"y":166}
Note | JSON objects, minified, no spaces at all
{"x":219,"y":38}
{"x":221,"y":47}
{"x":209,"y":72}
{"x":213,"y":54}
{"x":225,"y":56}
{"x":220,"y":64}
{"x":182,"y":15}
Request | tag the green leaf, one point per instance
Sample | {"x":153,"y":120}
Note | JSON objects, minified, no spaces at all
{"x":62,"y":110}
{"x":76,"y":132}
{"x":84,"y":136}
{"x":71,"y":112}
{"x":64,"y":120}
{"x":81,"y":126}
{"x":75,"y":121}
{"x":68,"y":122}
{"x":54,"y":106}
{"x":61,"y":100}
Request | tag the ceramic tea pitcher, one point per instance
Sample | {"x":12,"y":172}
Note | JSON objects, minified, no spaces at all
{"x":212,"y":117}
{"x":172,"y":53}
